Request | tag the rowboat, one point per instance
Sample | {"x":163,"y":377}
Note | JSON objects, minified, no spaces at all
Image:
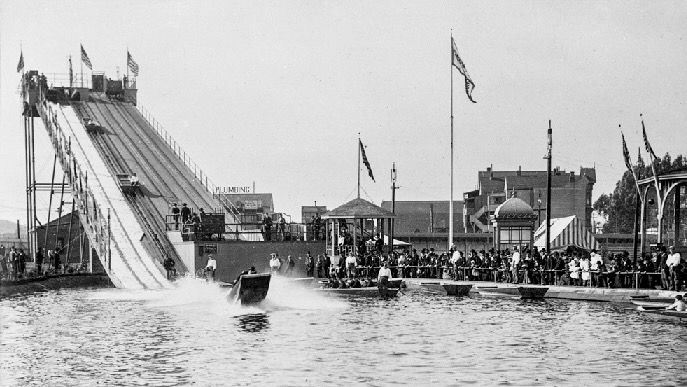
{"x":524,"y":292}
{"x":652,"y":303}
{"x":449,"y":289}
{"x":670,"y":314}
{"x":368,"y":291}
{"x":250,"y":288}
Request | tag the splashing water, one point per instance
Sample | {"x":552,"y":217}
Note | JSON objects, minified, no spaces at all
{"x":192,"y":295}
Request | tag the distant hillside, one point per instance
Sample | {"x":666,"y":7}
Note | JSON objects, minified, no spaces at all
{"x":8,"y":228}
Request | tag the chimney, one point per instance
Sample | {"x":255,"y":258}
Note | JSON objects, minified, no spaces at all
{"x":491,"y":172}
{"x":572,"y":176}
{"x":519,"y":170}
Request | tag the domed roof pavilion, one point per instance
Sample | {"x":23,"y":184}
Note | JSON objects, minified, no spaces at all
{"x":513,"y":224}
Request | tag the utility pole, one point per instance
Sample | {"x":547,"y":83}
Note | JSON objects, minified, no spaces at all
{"x":393,"y":205}
{"x":548,"y":192}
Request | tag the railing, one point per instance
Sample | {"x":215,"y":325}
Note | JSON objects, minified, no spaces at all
{"x":240,"y":231}
{"x":97,"y":222}
{"x":62,"y":80}
{"x":625,"y":279}
{"x":198,"y":173}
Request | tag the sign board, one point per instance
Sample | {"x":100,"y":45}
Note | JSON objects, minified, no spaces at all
{"x":234,"y":190}
{"x":252,"y":204}
{"x":207,"y":249}
{"x":213,"y":223}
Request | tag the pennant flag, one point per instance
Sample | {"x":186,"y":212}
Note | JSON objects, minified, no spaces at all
{"x":84,"y":58}
{"x":133,"y":66}
{"x":458,"y":63}
{"x":367,"y":163}
{"x":626,"y":154}
{"x":628,"y":163}
{"x":20,"y":65}
{"x":71,"y":72}
{"x":647,"y":145}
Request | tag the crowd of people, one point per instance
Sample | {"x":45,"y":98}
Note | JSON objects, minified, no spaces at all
{"x":663,"y":269}
{"x":16,"y":264}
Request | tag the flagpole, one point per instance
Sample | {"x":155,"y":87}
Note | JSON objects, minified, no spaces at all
{"x":359,"y":145}
{"x":450,"y":203}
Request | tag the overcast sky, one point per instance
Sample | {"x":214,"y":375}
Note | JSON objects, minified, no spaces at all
{"x":277,"y":92}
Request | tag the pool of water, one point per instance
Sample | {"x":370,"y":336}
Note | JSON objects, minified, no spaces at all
{"x":301,"y":337}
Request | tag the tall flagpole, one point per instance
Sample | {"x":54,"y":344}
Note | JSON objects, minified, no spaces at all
{"x":450,"y":203}
{"x":359,"y":145}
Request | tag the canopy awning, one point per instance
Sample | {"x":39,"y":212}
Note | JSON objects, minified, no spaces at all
{"x":566,"y":232}
{"x":359,"y":209}
{"x":386,"y":242}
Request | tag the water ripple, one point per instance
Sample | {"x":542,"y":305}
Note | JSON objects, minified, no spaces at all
{"x":298,"y":337}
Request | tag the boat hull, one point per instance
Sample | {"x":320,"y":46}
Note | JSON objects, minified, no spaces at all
{"x":670,"y":314}
{"x":369,"y":291}
{"x":250,"y":289}
{"x":524,"y":292}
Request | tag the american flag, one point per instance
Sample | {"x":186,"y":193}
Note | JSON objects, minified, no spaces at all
{"x":133,"y":66}
{"x":458,"y":63}
{"x":84,"y":58}
{"x":367,"y":163}
{"x":20,"y":65}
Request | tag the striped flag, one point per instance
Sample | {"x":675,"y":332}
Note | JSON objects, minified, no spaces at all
{"x":20,"y":65}
{"x":85,"y":59}
{"x":458,"y":63}
{"x":131,"y":63}
{"x":647,"y":145}
{"x":367,"y":163}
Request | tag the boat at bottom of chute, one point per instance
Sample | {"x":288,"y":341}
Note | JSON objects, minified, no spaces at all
{"x":250,"y":288}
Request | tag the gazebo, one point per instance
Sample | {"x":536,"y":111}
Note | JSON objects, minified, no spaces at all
{"x":350,"y":220}
{"x":513,"y":224}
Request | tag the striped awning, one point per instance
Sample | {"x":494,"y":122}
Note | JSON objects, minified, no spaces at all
{"x":566,"y":232}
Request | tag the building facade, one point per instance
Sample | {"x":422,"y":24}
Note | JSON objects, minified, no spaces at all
{"x":571,"y":194}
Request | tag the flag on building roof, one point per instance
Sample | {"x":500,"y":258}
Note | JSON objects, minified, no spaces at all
{"x":20,"y":65}
{"x":85,"y":59}
{"x":647,"y":145}
{"x":367,"y":163}
{"x":458,"y":63}
{"x":131,"y":63}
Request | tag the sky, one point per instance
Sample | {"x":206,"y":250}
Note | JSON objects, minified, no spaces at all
{"x":277,"y":92}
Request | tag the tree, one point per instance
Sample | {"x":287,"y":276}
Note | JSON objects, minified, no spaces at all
{"x":620,"y":205}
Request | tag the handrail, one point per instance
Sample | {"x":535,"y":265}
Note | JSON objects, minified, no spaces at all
{"x":209,"y":185}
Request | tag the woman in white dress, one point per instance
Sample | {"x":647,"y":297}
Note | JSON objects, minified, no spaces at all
{"x":584,"y":266}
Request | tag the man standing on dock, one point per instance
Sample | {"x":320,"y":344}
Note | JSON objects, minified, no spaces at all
{"x":515,"y":264}
{"x":210,"y":269}
{"x":674,"y":266}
